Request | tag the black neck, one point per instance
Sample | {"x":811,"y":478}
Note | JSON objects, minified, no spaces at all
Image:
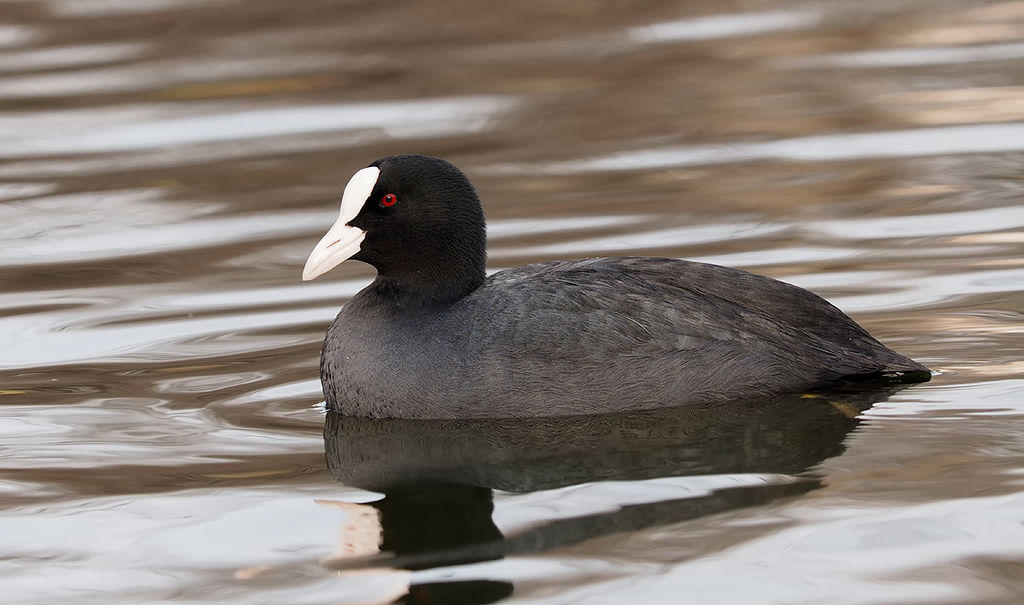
{"x":413,"y":285}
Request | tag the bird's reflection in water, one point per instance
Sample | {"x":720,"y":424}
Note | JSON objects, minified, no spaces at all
{"x":437,"y":476}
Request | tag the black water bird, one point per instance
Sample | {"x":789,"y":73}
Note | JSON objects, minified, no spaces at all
{"x":434,"y":337}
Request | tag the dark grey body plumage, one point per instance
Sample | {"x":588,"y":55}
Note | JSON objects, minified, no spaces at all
{"x":431,"y":337}
{"x":591,"y":336}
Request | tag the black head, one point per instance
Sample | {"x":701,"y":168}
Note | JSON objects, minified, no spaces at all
{"x":417,"y":220}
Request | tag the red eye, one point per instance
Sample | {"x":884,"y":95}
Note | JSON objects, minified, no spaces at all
{"x":388,"y":200}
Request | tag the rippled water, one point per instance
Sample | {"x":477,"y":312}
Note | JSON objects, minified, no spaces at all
{"x":170,"y":163}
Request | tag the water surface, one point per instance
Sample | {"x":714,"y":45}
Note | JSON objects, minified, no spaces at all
{"x":168,"y":165}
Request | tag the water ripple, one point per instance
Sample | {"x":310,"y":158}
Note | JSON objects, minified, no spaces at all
{"x":909,"y":57}
{"x":917,"y":142}
{"x":723,"y":26}
{"x":68,"y":56}
{"x":403,"y":118}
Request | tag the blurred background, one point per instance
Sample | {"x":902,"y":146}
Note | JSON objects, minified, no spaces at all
{"x":167,"y":165}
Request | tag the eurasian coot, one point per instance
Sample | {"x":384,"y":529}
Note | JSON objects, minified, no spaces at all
{"x":433,"y":337}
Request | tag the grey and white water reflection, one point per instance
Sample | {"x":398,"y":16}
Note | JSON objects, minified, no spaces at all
{"x":168,"y":164}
